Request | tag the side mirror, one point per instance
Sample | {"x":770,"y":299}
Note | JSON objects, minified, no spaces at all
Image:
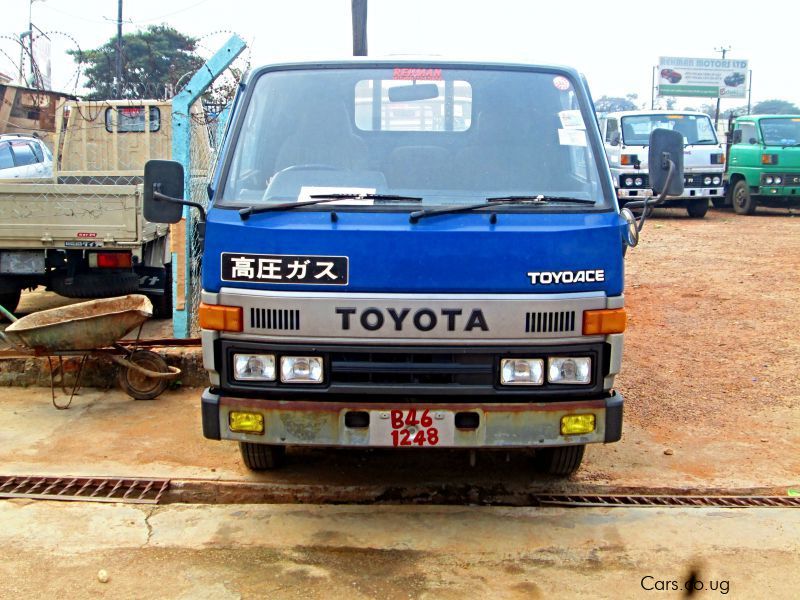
{"x":163,"y":191}
{"x":737,"y":137}
{"x":665,"y":162}
{"x":752,"y":141}
{"x":615,"y":139}
{"x":631,"y":233}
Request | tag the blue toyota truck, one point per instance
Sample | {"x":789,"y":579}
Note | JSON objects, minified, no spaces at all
{"x":412,"y":255}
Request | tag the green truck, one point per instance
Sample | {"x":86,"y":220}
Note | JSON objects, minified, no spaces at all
{"x":763,"y":163}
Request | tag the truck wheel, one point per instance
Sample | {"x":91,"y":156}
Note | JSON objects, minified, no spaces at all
{"x":562,"y":460}
{"x":262,"y":457}
{"x":95,"y":285}
{"x":697,"y":209}
{"x":9,"y":301}
{"x":162,"y":303}
{"x":743,"y":202}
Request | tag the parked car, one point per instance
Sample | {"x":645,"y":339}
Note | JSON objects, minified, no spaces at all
{"x":671,"y":76}
{"x":734,"y":79}
{"x":24,"y":157}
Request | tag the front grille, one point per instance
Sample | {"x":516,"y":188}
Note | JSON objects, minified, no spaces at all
{"x":373,"y":372}
{"x":412,"y":368}
{"x":276,"y":319}
{"x":695,"y":180}
{"x":550,"y":322}
{"x":790,"y":179}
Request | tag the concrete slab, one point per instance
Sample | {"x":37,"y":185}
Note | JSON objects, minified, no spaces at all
{"x":51,"y":549}
{"x":105,"y":433}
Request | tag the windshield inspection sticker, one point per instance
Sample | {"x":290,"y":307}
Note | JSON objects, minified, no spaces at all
{"x":284,"y":268}
{"x":561,"y":83}
{"x":307,"y":191}
{"x":572,"y":137}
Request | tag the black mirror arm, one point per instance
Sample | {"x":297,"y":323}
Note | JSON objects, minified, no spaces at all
{"x":157,"y":195}
{"x":649,"y":202}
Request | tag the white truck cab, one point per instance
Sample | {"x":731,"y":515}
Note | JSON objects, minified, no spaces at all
{"x":626,"y":135}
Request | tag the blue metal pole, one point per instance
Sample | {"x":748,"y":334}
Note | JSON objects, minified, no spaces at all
{"x":181,"y":152}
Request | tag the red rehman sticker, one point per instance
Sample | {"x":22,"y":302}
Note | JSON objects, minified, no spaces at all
{"x":561,"y":83}
{"x":415,"y":73}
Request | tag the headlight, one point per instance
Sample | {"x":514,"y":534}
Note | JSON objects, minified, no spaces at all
{"x":707,"y":180}
{"x":569,"y":369}
{"x":254,"y":367}
{"x":638,"y":181}
{"x":521,"y":371}
{"x":778,"y":180}
{"x":301,"y":369}
{"x":628,"y":181}
{"x":717,"y":180}
{"x":768,"y":180}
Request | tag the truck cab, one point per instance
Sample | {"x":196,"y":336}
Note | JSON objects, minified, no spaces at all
{"x":626,"y":136}
{"x":763,"y":162}
{"x":410,"y":255}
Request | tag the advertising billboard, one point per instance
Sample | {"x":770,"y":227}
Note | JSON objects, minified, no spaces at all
{"x":702,"y":77}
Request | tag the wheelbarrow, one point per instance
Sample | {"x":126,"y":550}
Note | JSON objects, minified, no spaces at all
{"x":93,"y":328}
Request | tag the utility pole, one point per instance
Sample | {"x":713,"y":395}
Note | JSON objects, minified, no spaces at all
{"x":359,"y":9}
{"x":724,"y":51}
{"x":118,"y":86}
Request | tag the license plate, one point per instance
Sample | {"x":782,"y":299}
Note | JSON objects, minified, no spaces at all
{"x":23,"y":262}
{"x":411,"y":428}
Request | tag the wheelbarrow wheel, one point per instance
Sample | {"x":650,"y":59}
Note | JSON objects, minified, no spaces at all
{"x":138,"y":385}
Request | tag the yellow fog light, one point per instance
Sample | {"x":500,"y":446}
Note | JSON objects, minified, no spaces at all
{"x":577,"y":424}
{"x":247,"y":422}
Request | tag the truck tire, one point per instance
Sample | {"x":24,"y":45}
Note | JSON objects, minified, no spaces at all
{"x":9,"y":301}
{"x":95,"y":285}
{"x":697,"y":209}
{"x":562,"y":460}
{"x":162,"y":303}
{"x":262,"y":457}
{"x":743,"y":202}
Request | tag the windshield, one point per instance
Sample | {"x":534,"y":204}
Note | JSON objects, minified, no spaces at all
{"x":695,"y":129}
{"x":449,"y":137}
{"x":781,"y":131}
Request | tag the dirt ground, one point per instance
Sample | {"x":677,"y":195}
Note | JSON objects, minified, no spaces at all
{"x":709,"y":376}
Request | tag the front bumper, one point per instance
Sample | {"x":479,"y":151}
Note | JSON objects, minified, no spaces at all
{"x":325,"y":423}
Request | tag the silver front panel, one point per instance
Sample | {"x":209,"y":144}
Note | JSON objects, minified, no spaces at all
{"x":410,"y":319}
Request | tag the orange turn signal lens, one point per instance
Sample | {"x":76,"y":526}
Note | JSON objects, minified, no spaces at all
{"x":602,"y":322}
{"x":628,"y":159}
{"x":220,"y":318}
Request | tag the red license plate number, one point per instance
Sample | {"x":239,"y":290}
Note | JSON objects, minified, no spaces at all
{"x":415,"y":427}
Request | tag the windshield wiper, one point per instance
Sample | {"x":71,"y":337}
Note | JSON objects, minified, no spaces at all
{"x":245,"y":213}
{"x":705,"y":141}
{"x":538,"y":200}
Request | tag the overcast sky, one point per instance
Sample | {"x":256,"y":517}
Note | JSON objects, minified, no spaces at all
{"x":616,"y":48}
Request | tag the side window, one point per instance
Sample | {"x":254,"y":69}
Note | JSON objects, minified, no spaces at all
{"x":6,"y":158}
{"x":131,"y":118}
{"x":37,"y":151}
{"x":611,"y":129}
{"x":23,"y":154}
{"x":748,"y":133}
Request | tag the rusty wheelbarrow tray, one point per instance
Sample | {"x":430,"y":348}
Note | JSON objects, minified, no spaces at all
{"x":94,"y":328}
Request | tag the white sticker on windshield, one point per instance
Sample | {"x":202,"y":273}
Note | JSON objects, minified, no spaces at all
{"x":571,"y":119}
{"x":306,"y":193}
{"x":572,"y":137}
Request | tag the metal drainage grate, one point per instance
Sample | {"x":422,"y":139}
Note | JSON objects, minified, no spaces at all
{"x":95,"y":489}
{"x":700,"y":501}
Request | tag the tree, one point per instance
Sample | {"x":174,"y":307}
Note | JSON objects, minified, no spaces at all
{"x":615,"y":104}
{"x":775,"y":107}
{"x":153,"y":62}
